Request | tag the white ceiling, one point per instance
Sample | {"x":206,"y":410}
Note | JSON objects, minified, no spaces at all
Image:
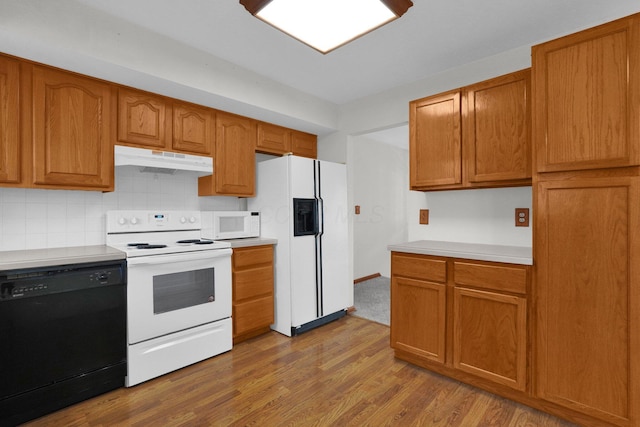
{"x":433,"y":36}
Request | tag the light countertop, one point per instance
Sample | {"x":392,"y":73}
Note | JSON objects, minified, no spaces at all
{"x":257,"y":241}
{"x":32,"y":258}
{"x":496,"y":253}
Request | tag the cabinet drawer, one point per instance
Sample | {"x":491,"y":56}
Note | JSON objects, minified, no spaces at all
{"x":495,"y":277}
{"x":246,"y":257}
{"x":252,"y":315}
{"x":419,"y":267}
{"x":251,"y":283}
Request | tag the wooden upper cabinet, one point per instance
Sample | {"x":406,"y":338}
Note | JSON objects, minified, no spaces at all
{"x":143,"y":119}
{"x":587,"y":295}
{"x":234,"y":168}
{"x":587,"y":98}
{"x":435,"y":138}
{"x":497,"y":129}
{"x":193,"y":128}
{"x":304,"y":144}
{"x":478,"y":136}
{"x":273,"y":139}
{"x":152,"y":121}
{"x":10,"y":154}
{"x":71,"y":130}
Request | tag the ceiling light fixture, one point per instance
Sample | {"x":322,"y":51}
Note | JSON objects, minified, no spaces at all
{"x":326,"y":24}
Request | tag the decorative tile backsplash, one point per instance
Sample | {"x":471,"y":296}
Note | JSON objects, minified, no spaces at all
{"x":33,"y":219}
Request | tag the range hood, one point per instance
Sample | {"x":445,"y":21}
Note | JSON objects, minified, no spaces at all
{"x":155,"y":161}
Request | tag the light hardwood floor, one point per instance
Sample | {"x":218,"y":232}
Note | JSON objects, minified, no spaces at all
{"x":342,"y":374}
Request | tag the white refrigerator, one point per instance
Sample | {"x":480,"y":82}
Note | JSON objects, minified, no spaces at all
{"x":303,"y":204}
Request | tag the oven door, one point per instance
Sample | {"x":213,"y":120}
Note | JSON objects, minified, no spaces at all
{"x":174,"y":292}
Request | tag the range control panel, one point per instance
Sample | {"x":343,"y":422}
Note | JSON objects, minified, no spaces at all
{"x":147,"y":221}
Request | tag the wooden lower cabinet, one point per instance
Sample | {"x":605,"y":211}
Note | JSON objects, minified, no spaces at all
{"x":253,"y":287}
{"x":463,"y":318}
{"x":419,"y":302}
{"x":490,"y":336}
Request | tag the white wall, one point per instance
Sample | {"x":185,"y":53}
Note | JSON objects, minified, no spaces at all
{"x":33,"y":219}
{"x":474,"y":216}
{"x":380,"y":186}
{"x":471,"y":216}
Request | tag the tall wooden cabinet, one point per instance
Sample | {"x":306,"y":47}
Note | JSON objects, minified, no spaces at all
{"x":234,"y":158}
{"x":474,"y":137}
{"x":587,"y":221}
{"x":71,"y":130}
{"x":10,"y":147}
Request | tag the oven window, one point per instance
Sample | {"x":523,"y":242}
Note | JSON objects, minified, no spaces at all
{"x":181,"y":290}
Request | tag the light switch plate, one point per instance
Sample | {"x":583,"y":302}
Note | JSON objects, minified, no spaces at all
{"x":424,"y":216}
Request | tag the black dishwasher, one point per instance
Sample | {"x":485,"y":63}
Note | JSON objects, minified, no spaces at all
{"x":62,"y":336}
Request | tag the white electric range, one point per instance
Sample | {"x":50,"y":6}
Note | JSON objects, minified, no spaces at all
{"x":178,"y":290}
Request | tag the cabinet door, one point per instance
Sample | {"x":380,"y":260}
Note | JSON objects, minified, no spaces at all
{"x":588,"y":295}
{"x":304,"y":144}
{"x":490,"y":336}
{"x":142,"y":119}
{"x":273,"y":139}
{"x":234,"y":158}
{"x":193,"y":129}
{"x":587,"y":98}
{"x":418,"y":317}
{"x":10,"y":171}
{"x":435,"y":141}
{"x":497,"y":129}
{"x":71,"y":130}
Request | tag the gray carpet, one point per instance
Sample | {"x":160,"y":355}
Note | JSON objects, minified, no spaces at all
{"x":371,"y":299}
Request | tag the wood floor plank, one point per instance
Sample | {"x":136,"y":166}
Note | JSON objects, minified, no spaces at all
{"x":341,"y":374}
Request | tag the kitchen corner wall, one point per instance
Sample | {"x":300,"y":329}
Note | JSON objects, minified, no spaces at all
{"x":33,"y":219}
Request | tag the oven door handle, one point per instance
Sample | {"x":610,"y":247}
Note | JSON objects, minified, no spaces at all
{"x":185,"y":256}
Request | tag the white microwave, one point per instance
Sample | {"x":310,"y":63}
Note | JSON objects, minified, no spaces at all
{"x":221,"y":225}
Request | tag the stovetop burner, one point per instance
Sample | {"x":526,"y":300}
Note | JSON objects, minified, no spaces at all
{"x":145,"y":246}
{"x":195,"y":242}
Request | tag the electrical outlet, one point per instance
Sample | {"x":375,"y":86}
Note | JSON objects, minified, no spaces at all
{"x":424,"y":216}
{"x":357,"y":209}
{"x":522,"y":217}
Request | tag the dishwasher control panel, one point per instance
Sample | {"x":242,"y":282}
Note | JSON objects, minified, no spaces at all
{"x":42,"y":281}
